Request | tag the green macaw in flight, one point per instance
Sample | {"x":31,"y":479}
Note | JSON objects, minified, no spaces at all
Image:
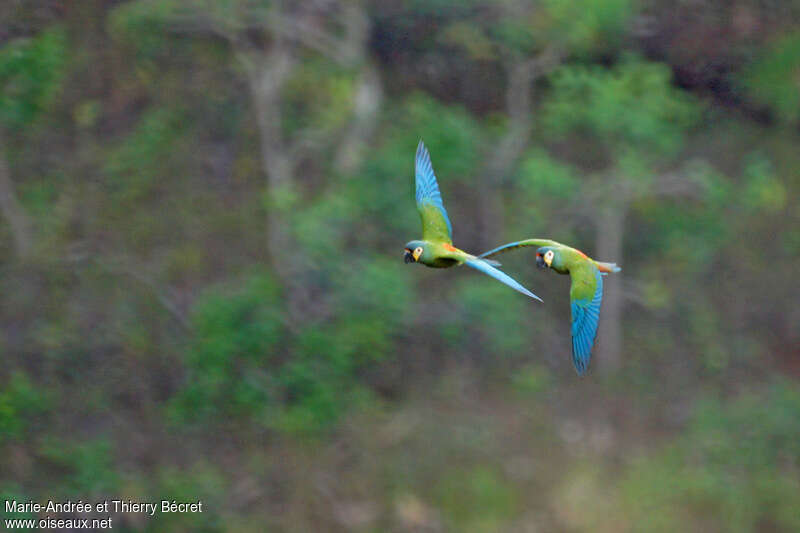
{"x":436,"y":247}
{"x":585,"y":293}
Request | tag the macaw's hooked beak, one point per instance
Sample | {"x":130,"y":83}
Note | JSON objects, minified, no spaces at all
{"x":408,"y":257}
{"x":540,"y":261}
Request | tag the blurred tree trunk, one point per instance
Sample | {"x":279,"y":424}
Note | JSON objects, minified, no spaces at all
{"x":507,"y":151}
{"x":268,"y":68}
{"x":366,"y":108}
{"x":610,"y":234}
{"x":610,"y":244}
{"x":267,"y":72}
{"x":269,"y":41}
{"x":522,"y":75}
{"x":14,"y":213}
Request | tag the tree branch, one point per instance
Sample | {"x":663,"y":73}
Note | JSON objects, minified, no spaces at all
{"x":157,"y":291}
{"x":366,"y":107}
{"x":17,"y":218}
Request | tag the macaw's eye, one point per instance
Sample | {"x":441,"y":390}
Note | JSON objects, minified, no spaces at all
{"x":417,"y":253}
{"x":548,"y":257}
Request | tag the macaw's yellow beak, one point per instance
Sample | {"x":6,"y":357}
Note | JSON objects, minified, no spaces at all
{"x":408,"y":257}
{"x":416,"y":253}
{"x":548,"y":259}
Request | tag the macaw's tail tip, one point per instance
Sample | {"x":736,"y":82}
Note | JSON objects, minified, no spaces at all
{"x":608,"y":267}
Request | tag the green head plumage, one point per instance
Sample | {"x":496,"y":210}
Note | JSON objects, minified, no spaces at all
{"x":415,"y":251}
{"x":550,"y":257}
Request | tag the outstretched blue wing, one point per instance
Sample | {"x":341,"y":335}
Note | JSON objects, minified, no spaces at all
{"x":585,"y":316}
{"x":435,"y":223}
{"x":486,"y":268}
{"x":518,"y":244}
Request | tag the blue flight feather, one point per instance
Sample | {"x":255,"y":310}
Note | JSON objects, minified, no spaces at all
{"x":427,"y":188}
{"x":585,"y":316}
{"x":499,"y":248}
{"x":486,"y":268}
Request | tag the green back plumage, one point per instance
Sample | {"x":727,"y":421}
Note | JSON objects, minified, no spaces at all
{"x":582,"y":274}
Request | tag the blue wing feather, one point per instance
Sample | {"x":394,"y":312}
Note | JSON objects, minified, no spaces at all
{"x":500,"y":248}
{"x":518,"y":244}
{"x":486,"y":268}
{"x":427,"y":187}
{"x":585,"y":316}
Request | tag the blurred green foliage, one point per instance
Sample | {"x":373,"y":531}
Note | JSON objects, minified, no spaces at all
{"x":632,"y":105}
{"x":235,"y":334}
{"x":238,"y":368}
{"x":30,"y":75}
{"x":476,"y":501}
{"x":764,"y":190}
{"x":543,"y":176}
{"x":735,"y":469}
{"x":449,"y":131}
{"x":586,"y":27}
{"x":21,"y":404}
{"x":771,"y":79}
{"x":150,"y":150}
{"x":87,"y":467}
{"x":487,"y":316}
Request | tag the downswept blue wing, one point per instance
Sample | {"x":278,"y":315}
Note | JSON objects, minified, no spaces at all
{"x":435,"y":222}
{"x":585,"y":316}
{"x":486,"y":268}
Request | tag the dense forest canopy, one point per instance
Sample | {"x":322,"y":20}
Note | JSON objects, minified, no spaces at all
{"x":203,"y":206}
